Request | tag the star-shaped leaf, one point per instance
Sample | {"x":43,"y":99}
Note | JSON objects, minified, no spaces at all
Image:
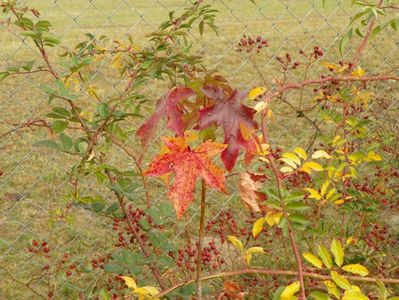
{"x":188,"y":164}
{"x":235,"y":118}
{"x":168,"y":106}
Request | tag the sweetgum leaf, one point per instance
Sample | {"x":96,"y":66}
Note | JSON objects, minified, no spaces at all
{"x":236,"y":119}
{"x":167,"y":106}
{"x":188,"y":164}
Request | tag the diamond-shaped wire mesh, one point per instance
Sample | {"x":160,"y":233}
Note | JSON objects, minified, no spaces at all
{"x":35,"y":182}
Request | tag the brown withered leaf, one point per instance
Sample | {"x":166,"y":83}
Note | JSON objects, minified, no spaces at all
{"x":248,"y":186}
{"x":233,"y":290}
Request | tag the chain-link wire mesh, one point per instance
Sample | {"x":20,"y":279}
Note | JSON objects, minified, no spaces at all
{"x":35,"y":183}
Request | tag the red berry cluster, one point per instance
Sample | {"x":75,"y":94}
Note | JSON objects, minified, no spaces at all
{"x":299,"y":179}
{"x":100,"y":262}
{"x":249,"y":44}
{"x":125,"y":231}
{"x":286,"y":62}
{"x":187,"y":256}
{"x":378,"y":236}
{"x":40,"y":248}
{"x":224,"y":224}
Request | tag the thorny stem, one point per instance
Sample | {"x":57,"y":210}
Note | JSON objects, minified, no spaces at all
{"x":200,"y":237}
{"x":282,"y":204}
{"x":276,"y":272}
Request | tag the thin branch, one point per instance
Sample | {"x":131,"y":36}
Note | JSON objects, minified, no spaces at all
{"x":200,"y":237}
{"x":282,"y":204}
{"x":366,"y":38}
{"x":269,"y":96}
{"x":26,"y":285}
{"x":276,"y":272}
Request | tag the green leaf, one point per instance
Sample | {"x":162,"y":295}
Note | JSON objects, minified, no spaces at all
{"x":344,"y":41}
{"x":338,"y":252}
{"x":59,"y":126}
{"x":28,"y":66}
{"x":342,"y":282}
{"x":49,"y":144}
{"x":3,"y":75}
{"x":325,"y":256}
{"x":66,"y":141}
{"x":316,"y":295}
{"x":103,"y":110}
{"x":382,"y":290}
{"x":299,"y":218}
{"x":201,"y":27}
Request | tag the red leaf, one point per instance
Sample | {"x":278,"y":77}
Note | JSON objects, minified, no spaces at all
{"x":236,"y":119}
{"x":167,"y":106}
{"x":188,"y":164}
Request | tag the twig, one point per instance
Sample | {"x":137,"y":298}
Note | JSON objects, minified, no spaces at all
{"x":276,"y":272}
{"x":282,"y":204}
{"x":365,"y":40}
{"x":200,"y":237}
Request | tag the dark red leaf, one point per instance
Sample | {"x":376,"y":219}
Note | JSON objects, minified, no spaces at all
{"x":168,"y":106}
{"x":236,"y":119}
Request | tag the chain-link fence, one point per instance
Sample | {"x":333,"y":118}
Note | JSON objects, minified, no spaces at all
{"x":35,"y":183}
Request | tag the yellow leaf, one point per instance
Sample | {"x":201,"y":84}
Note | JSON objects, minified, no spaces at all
{"x":262,"y":149}
{"x":331,"y":193}
{"x":246,"y":132}
{"x":314,"y":260}
{"x":311,"y":165}
{"x":273,"y":218}
{"x":286,"y":169}
{"x":129,"y":281}
{"x":321,"y":154}
{"x":290,"y":290}
{"x":301,"y":153}
{"x":359,"y":72}
{"x":339,"y":202}
{"x":151,"y":290}
{"x":354,"y":295}
{"x":332,"y":288}
{"x":256,"y":92}
{"x":373,"y":156}
{"x":260,"y":106}
{"x":252,"y":250}
{"x":293,"y":157}
{"x":325,"y":256}
{"x":349,"y":240}
{"x":117,"y":61}
{"x":289,"y":162}
{"x":356,"y":269}
{"x":236,"y":242}
{"x":314,"y":194}
{"x":92,"y":91}
{"x":258,"y":226}
{"x":324,"y":187}
{"x":338,"y":252}
{"x":341,"y":281}
{"x":255,"y":250}
{"x":270,"y":114}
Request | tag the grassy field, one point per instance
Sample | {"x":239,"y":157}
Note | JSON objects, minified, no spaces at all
{"x":34,"y":187}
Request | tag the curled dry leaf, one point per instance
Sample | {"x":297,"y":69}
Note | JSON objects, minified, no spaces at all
{"x":248,"y":186}
{"x":233,"y":290}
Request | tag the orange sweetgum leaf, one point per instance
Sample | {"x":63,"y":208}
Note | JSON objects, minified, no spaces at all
{"x":188,"y":164}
